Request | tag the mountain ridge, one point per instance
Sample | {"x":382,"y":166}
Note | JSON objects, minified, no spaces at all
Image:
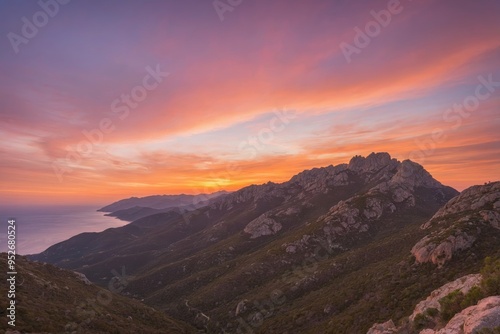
{"x":252,"y":243}
{"x":160,"y":202}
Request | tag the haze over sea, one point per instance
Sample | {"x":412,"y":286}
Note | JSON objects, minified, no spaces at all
{"x":39,"y":227}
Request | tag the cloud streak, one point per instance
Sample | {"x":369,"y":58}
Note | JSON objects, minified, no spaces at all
{"x":226,"y":79}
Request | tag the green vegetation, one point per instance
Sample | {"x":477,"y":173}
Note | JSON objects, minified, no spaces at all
{"x":53,"y":300}
{"x":456,"y":301}
{"x":451,"y":304}
{"x":432,"y":312}
{"x":491,"y":276}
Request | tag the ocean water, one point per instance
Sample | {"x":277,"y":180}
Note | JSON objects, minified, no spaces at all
{"x":38,"y":228}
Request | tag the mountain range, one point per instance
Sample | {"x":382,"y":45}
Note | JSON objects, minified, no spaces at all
{"x":133,"y":208}
{"x":333,"y":250}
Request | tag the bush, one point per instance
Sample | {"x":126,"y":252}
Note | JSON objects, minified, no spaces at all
{"x":420,"y":322}
{"x":472,"y":297}
{"x":456,"y":301}
{"x":491,"y":276}
{"x":432,"y":312}
{"x":451,"y":304}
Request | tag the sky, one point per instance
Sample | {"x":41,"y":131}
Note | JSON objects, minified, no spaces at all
{"x":103,"y":100}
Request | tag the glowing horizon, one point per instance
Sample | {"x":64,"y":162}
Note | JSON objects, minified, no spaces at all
{"x":119,"y":99}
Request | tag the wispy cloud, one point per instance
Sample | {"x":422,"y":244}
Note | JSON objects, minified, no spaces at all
{"x":226,"y":79}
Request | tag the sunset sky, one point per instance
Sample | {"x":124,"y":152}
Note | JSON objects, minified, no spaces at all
{"x":112,"y":99}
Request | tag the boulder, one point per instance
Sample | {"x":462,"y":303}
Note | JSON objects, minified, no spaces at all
{"x":262,"y":226}
{"x":427,"y":250}
{"x":387,"y":327}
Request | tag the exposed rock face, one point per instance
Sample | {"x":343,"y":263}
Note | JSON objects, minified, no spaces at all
{"x":486,"y":197}
{"x":412,"y":175}
{"x":459,"y":224}
{"x":373,"y":163}
{"x":441,"y":252}
{"x":262,"y":226}
{"x":493,"y":217}
{"x":391,"y":176}
{"x":486,"y":314}
{"x":357,"y":213}
{"x":83,"y":278}
{"x":394,"y":188}
{"x":319,"y":179}
{"x":241,"y":307}
{"x":464,"y":284}
{"x":385,"y":328}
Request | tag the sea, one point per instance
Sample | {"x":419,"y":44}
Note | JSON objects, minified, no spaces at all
{"x":39,"y":227}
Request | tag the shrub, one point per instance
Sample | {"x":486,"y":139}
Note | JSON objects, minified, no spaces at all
{"x":451,"y":304}
{"x":432,"y":312}
{"x":472,"y":297}
{"x":420,"y":322}
{"x":491,"y":276}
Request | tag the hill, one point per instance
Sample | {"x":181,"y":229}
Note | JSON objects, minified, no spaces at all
{"x":53,"y":300}
{"x":160,"y":202}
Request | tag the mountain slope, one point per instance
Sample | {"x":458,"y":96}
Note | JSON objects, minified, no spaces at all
{"x":52,"y":300}
{"x":286,"y":246}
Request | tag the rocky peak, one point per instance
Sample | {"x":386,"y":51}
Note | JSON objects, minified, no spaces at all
{"x":370,"y":164}
{"x":414,"y":175}
{"x":386,"y":173}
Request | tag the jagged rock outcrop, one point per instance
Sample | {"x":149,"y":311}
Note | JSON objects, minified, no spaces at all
{"x":372,"y":163}
{"x":486,"y":314}
{"x":459,"y":224}
{"x":398,"y":182}
{"x":388,"y":174}
{"x":83,"y":278}
{"x":463,"y":284}
{"x":385,"y":328}
{"x":241,"y":307}
{"x":261,"y":226}
{"x":441,"y":251}
{"x":412,"y":175}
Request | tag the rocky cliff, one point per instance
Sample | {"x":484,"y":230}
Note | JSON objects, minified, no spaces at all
{"x":458,"y":224}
